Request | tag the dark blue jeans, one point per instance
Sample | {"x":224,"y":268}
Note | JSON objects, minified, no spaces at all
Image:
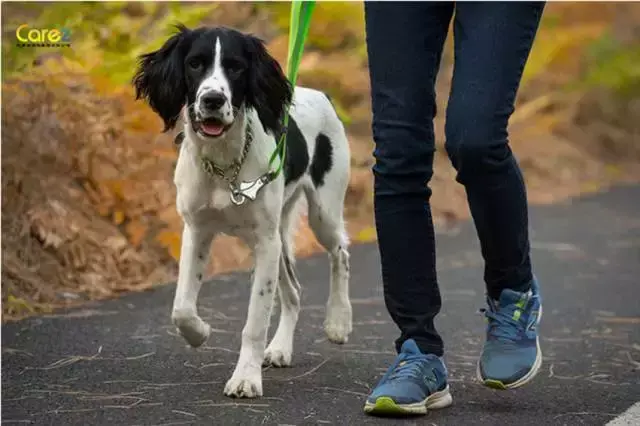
{"x":492,"y":42}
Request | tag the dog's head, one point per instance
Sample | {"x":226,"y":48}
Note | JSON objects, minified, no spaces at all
{"x":215,"y":72}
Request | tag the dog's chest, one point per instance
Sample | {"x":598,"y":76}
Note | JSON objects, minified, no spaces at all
{"x":200,"y":202}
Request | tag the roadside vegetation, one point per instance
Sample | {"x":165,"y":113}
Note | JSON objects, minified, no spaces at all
{"x":88,"y":203}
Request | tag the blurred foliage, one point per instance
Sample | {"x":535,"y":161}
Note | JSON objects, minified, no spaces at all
{"x":335,"y":25}
{"x":614,"y":66}
{"x":106,"y":37}
{"x":556,"y":47}
{"x":583,"y":52}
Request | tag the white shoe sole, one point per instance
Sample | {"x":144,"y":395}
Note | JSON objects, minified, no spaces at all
{"x":386,"y":406}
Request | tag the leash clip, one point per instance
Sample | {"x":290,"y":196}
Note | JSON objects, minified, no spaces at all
{"x":239,"y":194}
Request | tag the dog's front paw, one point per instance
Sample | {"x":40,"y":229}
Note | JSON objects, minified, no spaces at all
{"x":277,"y":355}
{"x":243,"y":385}
{"x":191,"y":327}
{"x":338,"y":323}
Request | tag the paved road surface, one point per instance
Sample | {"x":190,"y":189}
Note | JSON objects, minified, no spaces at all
{"x":120,"y":363}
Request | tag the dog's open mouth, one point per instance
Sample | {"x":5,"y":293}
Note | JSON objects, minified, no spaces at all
{"x":212,"y":127}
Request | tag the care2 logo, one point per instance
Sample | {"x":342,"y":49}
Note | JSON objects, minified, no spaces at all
{"x":42,"y":37}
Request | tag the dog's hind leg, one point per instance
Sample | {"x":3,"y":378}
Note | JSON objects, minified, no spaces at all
{"x":326,"y":220}
{"x":280,"y":350}
{"x":196,"y":243}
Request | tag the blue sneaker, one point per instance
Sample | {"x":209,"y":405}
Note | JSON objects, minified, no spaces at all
{"x":414,"y":383}
{"x":511,"y":355}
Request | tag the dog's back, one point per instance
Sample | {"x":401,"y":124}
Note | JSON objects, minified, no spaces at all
{"x":317,"y":144}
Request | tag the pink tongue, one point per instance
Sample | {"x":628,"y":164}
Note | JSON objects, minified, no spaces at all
{"x":213,"y":129}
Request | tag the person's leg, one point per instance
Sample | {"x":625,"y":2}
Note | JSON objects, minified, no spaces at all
{"x":492,"y":43}
{"x":405,"y":43}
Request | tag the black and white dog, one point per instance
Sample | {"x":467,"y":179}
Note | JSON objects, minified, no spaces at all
{"x":233,"y":94}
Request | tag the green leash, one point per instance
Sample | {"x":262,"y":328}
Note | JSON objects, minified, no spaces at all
{"x":300,"y":20}
{"x":299,"y":28}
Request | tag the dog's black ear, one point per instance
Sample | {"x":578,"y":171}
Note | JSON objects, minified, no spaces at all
{"x":160,"y":78}
{"x":269,"y":90}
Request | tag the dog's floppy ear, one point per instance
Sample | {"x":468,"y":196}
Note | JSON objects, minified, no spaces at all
{"x":160,"y":78}
{"x":269,"y":90}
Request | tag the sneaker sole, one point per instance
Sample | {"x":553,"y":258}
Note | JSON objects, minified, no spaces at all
{"x":499,"y":385}
{"x":386,"y":406}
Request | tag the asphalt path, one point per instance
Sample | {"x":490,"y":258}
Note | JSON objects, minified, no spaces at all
{"x":120,"y":362}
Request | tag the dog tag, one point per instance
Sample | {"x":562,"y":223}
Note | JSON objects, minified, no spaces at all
{"x":247,"y":190}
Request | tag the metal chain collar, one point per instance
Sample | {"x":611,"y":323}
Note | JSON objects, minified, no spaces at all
{"x":214,"y":170}
{"x":239,"y":192}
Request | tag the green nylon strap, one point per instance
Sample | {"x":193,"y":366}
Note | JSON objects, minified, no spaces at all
{"x":300,"y":20}
{"x":299,"y":28}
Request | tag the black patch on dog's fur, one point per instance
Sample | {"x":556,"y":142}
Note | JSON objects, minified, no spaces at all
{"x":322,"y":159}
{"x":270,"y":92}
{"x":179,"y":138}
{"x":297,"y":155}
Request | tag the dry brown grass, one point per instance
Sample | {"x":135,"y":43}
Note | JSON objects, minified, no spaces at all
{"x":64,"y":226}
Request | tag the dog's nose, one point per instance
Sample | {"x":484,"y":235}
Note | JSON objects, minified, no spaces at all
{"x":213,"y":100}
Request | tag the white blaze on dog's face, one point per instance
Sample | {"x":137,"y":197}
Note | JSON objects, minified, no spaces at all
{"x":214,"y":72}
{"x":216,"y":77}
{"x":213,"y":108}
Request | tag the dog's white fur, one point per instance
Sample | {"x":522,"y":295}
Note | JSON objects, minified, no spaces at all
{"x":266,"y":225}
{"x":216,"y":81}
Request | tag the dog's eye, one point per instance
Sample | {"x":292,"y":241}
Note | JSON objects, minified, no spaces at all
{"x":234,"y":67}
{"x":194,"y":63}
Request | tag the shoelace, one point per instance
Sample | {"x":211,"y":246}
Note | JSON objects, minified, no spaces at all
{"x":502,"y":326}
{"x":409,"y":366}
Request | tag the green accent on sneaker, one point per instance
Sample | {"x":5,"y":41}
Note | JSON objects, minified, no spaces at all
{"x":521,"y":304}
{"x":386,"y":406}
{"x":516,"y":314}
{"x":414,"y":382}
{"x":495,"y":384}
